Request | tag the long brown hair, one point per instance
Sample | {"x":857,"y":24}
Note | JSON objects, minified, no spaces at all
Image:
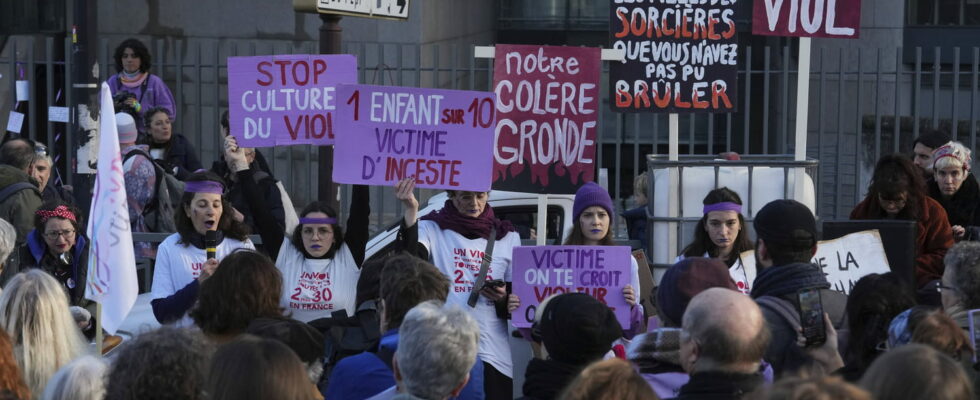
{"x":11,"y":381}
{"x":894,"y":175}
{"x":245,"y":286}
{"x":253,"y":368}
{"x":702,"y":241}
{"x":226,"y":223}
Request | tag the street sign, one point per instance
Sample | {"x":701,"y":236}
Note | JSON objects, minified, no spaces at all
{"x":386,"y":9}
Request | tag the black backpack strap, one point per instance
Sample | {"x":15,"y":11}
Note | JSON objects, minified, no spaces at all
{"x":386,"y":355}
{"x":13,"y":188}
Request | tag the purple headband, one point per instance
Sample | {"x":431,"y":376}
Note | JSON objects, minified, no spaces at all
{"x":204,"y":187}
{"x":723,"y":206}
{"x":329,"y":221}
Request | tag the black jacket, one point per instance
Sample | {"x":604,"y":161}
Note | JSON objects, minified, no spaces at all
{"x":545,"y":379}
{"x":784,"y":282}
{"x":267,"y":188}
{"x":963,"y":207}
{"x":716,"y":385}
{"x":180,"y":157}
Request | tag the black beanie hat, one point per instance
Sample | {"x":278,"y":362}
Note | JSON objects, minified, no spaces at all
{"x":578,"y":329}
{"x":786,"y":223}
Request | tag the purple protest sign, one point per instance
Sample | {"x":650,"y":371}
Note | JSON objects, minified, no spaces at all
{"x":286,"y":100}
{"x":599,"y":271}
{"x":443,"y":138}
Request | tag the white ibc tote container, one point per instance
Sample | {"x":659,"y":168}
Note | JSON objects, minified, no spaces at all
{"x":772,"y":177}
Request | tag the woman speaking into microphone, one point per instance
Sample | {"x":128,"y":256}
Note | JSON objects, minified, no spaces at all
{"x":205,"y":235}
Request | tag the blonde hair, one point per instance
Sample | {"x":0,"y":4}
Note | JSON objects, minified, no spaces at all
{"x":612,"y":379}
{"x":952,"y":154}
{"x":34,"y":311}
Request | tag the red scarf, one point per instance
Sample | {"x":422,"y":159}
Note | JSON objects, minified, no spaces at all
{"x":471,"y":228}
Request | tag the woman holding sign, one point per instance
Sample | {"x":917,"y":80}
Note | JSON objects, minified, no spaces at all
{"x":186,"y":258}
{"x":592,"y":210}
{"x":454,"y":240}
{"x":320,"y":264}
{"x":720,"y":234}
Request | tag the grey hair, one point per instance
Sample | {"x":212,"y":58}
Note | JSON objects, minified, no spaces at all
{"x":963,"y":262}
{"x":8,"y":238}
{"x":82,"y":379}
{"x":436,"y":349}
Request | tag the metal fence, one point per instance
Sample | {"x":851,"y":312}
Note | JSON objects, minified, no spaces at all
{"x":863,"y":103}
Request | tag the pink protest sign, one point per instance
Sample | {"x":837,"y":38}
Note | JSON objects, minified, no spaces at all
{"x":547,"y":103}
{"x":443,"y":138}
{"x":286,"y":100}
{"x":542,"y":271}
{"x":807,"y":18}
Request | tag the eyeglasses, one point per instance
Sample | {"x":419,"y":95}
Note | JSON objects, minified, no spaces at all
{"x":53,"y":235}
{"x":940,"y":287}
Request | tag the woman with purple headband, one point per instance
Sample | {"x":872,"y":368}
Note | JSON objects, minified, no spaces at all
{"x":320,"y":265}
{"x":182,"y":261}
{"x":721,"y":234}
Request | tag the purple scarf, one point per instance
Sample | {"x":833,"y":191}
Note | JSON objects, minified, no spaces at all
{"x":471,"y":228}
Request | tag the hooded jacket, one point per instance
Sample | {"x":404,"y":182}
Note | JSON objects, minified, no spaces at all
{"x":19,"y":208}
{"x":783,"y":282}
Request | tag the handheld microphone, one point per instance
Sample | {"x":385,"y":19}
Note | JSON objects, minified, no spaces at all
{"x":211,"y":243}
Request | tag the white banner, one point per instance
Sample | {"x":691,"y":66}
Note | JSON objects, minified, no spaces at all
{"x":844,"y":260}
{"x":111,"y":264}
{"x":389,"y":9}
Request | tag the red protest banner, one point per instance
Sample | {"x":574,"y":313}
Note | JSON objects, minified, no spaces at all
{"x":807,"y":18}
{"x":547,"y":112}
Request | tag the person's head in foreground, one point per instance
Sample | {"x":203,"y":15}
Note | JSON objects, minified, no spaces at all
{"x":34,"y":311}
{"x":82,"y":379}
{"x":786,"y":233}
{"x":811,"y":388}
{"x":164,"y":364}
{"x":612,"y":379}
{"x":436,"y":349}
{"x":255,"y":368}
{"x":723,"y":330}
{"x":917,"y":372}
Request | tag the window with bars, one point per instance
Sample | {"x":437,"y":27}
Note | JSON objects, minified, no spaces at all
{"x":943,"y":13}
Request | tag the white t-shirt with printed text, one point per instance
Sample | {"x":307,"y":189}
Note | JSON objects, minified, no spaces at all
{"x":460,"y":259}
{"x":742,"y":276}
{"x":178,"y":265}
{"x":315,"y":288}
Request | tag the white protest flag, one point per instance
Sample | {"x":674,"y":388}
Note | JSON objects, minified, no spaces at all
{"x":111,"y":264}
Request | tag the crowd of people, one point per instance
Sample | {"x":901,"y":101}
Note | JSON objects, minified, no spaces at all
{"x":308,"y":315}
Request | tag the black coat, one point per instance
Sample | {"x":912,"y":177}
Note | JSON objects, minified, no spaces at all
{"x":180,"y":157}
{"x":719,"y":385}
{"x":963,"y":208}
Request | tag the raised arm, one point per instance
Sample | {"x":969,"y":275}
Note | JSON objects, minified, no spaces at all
{"x":408,"y":233}
{"x":356,"y":236}
{"x":270,"y":230}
